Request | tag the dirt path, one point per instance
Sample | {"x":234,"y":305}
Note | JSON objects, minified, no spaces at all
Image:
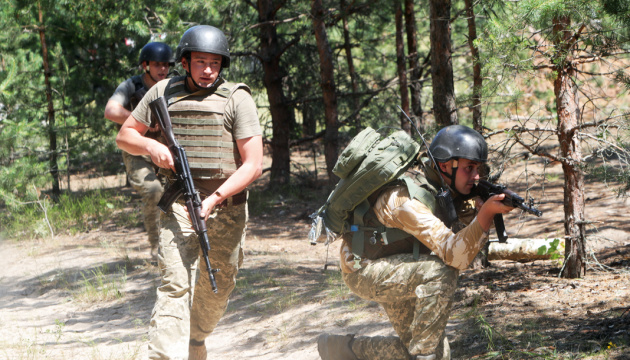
{"x":47,"y":312}
{"x":53,"y":307}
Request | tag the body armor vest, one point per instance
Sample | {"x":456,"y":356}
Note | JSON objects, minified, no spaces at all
{"x":198,"y":125}
{"x":134,"y":100}
{"x":138,"y":94}
{"x":376,"y":244}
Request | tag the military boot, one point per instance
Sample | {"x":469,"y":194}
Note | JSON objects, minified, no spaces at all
{"x":335,"y":347}
{"x":380,"y":348}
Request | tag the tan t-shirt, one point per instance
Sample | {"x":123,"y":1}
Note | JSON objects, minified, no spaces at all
{"x":241,"y":116}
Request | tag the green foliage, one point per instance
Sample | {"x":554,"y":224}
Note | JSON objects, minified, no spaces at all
{"x":73,"y":213}
{"x":554,"y":250}
{"x":619,"y":9}
{"x":88,"y":58}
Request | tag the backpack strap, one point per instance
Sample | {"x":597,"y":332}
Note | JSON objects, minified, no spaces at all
{"x":358,"y":229}
{"x":420,"y":192}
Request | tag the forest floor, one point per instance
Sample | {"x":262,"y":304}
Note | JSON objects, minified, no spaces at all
{"x":90,"y":295}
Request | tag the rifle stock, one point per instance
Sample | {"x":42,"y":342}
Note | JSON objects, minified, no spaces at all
{"x":183,"y":184}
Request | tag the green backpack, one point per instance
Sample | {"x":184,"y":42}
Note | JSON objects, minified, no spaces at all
{"x":368,"y":163}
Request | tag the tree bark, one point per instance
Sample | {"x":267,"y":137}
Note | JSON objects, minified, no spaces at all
{"x":401,"y":68}
{"x":52,"y":134}
{"x":568,"y":109}
{"x":415,"y":84}
{"x":326,"y":67}
{"x":281,"y":114}
{"x":477,"y":79}
{"x":481,"y":260}
{"x":347,"y":45}
{"x":444,"y":108}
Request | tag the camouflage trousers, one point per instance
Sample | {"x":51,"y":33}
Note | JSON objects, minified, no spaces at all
{"x":142,"y":177}
{"x":186,"y":309}
{"x":417,"y":296}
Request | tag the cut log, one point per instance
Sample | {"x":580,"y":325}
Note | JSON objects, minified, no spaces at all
{"x":520,"y":250}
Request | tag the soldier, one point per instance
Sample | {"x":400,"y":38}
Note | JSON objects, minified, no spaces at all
{"x":217,"y":123}
{"x":155,"y":59}
{"x":416,"y":290}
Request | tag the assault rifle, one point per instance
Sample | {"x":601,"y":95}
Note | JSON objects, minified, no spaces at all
{"x":183,"y":184}
{"x":485,"y":189}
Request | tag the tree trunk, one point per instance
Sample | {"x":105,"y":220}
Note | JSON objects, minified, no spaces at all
{"x":477,"y":79}
{"x":481,"y":260}
{"x":326,"y":67}
{"x":444,"y":108}
{"x":347,"y":45}
{"x":281,"y":115}
{"x":568,"y":109}
{"x":401,"y":68}
{"x":52,"y":134}
{"x":415,"y":84}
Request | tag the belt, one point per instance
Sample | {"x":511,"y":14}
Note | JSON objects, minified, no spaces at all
{"x":234,"y":200}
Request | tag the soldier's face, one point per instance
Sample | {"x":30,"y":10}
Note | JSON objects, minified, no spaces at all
{"x":467,"y":174}
{"x":204,"y":68}
{"x":158,"y":70}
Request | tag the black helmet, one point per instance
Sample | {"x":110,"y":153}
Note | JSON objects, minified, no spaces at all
{"x":156,"y":51}
{"x":207,"y":39}
{"x":459,"y":141}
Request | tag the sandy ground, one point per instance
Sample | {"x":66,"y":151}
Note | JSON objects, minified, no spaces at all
{"x":284,"y":298}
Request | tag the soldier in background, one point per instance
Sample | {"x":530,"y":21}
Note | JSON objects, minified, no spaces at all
{"x":416,"y":289}
{"x":155,"y":59}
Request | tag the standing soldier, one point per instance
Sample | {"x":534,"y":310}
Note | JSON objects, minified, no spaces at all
{"x":416,"y":286}
{"x":155,"y":59}
{"x":217,"y":124}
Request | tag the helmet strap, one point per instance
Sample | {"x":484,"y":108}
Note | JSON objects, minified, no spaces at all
{"x":147,"y":70}
{"x":452,"y":176}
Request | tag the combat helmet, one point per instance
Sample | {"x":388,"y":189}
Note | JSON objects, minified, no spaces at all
{"x":156,"y":51}
{"x":457,"y":142}
{"x":207,"y":39}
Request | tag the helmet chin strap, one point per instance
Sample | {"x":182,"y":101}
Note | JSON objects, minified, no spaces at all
{"x":147,"y":70}
{"x":452,"y":176}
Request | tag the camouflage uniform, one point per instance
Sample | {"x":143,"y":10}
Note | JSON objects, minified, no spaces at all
{"x":416,"y":293}
{"x":141,"y":175}
{"x":207,"y":124}
{"x":183,"y":311}
{"x":140,"y":169}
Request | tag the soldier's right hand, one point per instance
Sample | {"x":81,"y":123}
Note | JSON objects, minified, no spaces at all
{"x":161,"y":155}
{"x":494,"y":205}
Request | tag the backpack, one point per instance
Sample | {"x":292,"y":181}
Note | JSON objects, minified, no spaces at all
{"x":369,"y":162}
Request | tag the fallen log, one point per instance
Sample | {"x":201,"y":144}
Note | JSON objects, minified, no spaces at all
{"x":522,"y":249}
